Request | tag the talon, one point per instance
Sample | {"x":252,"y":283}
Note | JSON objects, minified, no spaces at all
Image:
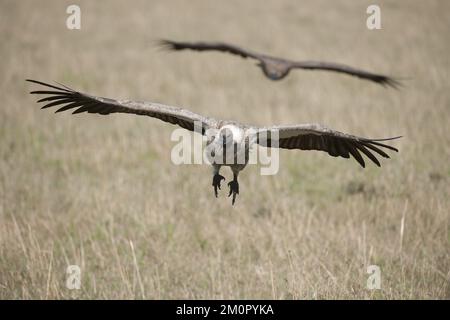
{"x":217,"y":179}
{"x":234,"y":190}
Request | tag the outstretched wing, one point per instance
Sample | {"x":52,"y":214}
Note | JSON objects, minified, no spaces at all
{"x":342,"y":68}
{"x":69,"y":99}
{"x":317,"y":137}
{"x":213,"y":46}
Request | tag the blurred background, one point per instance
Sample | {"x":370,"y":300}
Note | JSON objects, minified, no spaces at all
{"x":101,"y":192}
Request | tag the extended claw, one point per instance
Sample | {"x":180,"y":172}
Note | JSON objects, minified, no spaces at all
{"x":234,"y":190}
{"x":217,"y":179}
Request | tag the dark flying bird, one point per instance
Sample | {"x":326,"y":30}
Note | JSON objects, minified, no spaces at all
{"x":228,"y":142}
{"x":277,"y":68}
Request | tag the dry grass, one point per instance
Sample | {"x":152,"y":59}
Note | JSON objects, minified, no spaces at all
{"x":101,"y":192}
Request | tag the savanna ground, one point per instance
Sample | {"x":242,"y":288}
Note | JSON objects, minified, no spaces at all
{"x":101,"y":192}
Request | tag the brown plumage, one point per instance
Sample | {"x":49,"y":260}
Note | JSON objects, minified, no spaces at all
{"x":222,"y":133}
{"x":277,"y":68}
{"x":335,"y":143}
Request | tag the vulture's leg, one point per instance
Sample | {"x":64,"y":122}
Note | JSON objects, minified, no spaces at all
{"x":234,"y":187}
{"x":217,"y":179}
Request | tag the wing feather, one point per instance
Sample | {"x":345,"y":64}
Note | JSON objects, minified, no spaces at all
{"x":69,"y":99}
{"x":213,"y":46}
{"x":317,"y":137}
{"x":342,"y":68}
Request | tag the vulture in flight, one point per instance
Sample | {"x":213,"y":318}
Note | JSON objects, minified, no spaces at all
{"x":227,"y":142}
{"x":277,"y":68}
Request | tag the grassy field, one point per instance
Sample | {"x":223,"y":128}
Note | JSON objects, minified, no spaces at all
{"x":101,"y":192}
